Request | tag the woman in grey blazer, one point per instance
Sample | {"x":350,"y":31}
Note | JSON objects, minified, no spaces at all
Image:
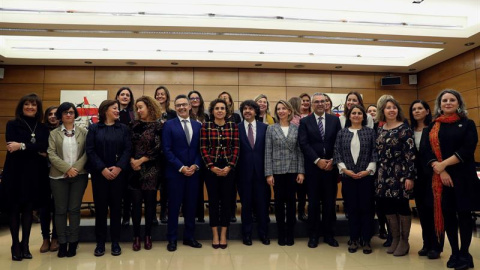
{"x":283,"y":169}
{"x":68,"y":178}
{"x":356,"y":157}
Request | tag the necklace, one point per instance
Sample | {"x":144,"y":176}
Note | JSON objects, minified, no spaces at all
{"x":32,"y":140}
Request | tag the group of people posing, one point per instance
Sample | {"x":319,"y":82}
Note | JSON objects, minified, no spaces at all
{"x":140,"y":146}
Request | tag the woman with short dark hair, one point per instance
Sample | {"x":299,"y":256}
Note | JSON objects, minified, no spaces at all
{"x":108,"y":151}
{"x":219,"y":147}
{"x":24,"y":171}
{"x":68,"y":177}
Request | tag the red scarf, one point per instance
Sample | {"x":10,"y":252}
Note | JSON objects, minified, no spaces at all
{"x":437,"y":185}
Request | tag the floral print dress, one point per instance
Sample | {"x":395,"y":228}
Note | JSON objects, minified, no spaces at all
{"x":396,"y":156}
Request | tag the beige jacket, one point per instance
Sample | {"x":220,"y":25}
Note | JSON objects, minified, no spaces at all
{"x":55,"y":152}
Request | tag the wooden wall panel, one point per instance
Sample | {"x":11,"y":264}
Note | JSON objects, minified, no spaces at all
{"x":353,"y":80}
{"x":211,"y":92}
{"x":477,"y":154}
{"x":16,"y":91}
{"x":461,"y":83}
{"x":473,"y":114}
{"x":274,"y":93}
{"x":477,"y":57}
{"x":402,"y":96}
{"x":295,"y":91}
{"x":3,"y":154}
{"x":7,"y":107}
{"x":3,"y":143}
{"x":309,"y":78}
{"x":478,"y":77}
{"x":112,"y":89}
{"x":49,"y":103}
{"x":23,"y":74}
{"x":368,"y":95}
{"x":70,"y":75}
{"x":119,"y":75}
{"x":164,"y":76}
{"x":208,"y":76}
{"x":174,"y":89}
{"x":264,"y":77}
{"x":3,"y":124}
{"x":53,"y":91}
{"x":428,"y":77}
{"x":471,"y":98}
{"x":460,"y":64}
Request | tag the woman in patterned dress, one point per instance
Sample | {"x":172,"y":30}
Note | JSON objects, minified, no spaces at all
{"x":394,"y":184}
{"x":143,"y":182}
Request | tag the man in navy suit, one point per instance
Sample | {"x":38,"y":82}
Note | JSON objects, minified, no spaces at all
{"x":181,"y":146}
{"x":317,"y":134}
{"x":252,"y":185}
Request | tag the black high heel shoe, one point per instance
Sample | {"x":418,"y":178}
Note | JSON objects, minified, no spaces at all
{"x":16,"y":253}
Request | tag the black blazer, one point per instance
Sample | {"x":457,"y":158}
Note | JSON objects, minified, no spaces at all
{"x":251,"y":160}
{"x":311,"y":142}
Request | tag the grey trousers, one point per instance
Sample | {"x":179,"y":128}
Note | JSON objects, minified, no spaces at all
{"x":68,"y":194}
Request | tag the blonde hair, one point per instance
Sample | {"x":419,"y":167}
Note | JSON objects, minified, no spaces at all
{"x":288,"y":106}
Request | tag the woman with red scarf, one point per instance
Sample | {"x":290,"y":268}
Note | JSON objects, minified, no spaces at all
{"x":450,"y":155}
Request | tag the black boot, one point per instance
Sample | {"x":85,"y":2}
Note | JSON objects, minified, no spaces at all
{"x":62,"y":250}
{"x":72,"y":249}
{"x":16,"y":252}
{"x":26,"y":251}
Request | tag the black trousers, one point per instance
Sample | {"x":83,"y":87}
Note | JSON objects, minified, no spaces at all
{"x":253,"y":192}
{"x":284,"y":191}
{"x":322,"y":186}
{"x":358,"y":194}
{"x":107,"y":194}
{"x":220,"y":191}
{"x":302,"y":196}
{"x":394,"y":206}
{"x":456,"y":221}
{"x":425,"y":213}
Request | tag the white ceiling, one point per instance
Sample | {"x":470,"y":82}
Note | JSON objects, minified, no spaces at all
{"x":369,"y":35}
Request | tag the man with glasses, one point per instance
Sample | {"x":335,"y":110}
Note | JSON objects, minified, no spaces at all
{"x":181,"y":147}
{"x":316,"y":135}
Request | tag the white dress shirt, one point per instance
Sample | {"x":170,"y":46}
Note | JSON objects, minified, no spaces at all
{"x":254,"y":128}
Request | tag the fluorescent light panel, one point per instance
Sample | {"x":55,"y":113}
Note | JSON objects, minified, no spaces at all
{"x":208,"y":50}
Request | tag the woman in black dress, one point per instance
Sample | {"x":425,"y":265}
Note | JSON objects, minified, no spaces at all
{"x":450,"y":159}
{"x":25,"y":171}
{"x":145,"y":163}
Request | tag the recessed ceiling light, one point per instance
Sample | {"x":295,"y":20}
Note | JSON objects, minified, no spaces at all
{"x":338,"y":67}
{"x":174,"y":63}
{"x":131,"y":63}
{"x":469,"y":43}
{"x":258,"y":65}
{"x":299,"y":66}
{"x":412,"y":69}
{"x":88,"y":62}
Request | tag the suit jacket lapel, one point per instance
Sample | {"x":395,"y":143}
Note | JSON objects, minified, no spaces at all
{"x":180,"y":126}
{"x":313,"y":122}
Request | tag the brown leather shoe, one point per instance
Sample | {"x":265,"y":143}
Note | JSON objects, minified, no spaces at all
{"x":54,"y":245}
{"x":45,"y":246}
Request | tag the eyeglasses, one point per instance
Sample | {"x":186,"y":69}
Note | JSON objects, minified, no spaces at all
{"x":181,"y":105}
{"x":319,"y":101}
{"x":68,"y":113}
{"x":195,"y":98}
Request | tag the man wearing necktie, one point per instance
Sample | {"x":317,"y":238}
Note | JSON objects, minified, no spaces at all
{"x":181,"y":147}
{"x":252,"y":186}
{"x":316,"y":135}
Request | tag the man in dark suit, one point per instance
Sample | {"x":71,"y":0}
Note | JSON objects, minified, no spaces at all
{"x":181,"y":146}
{"x":252,"y":185}
{"x":316,"y":135}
